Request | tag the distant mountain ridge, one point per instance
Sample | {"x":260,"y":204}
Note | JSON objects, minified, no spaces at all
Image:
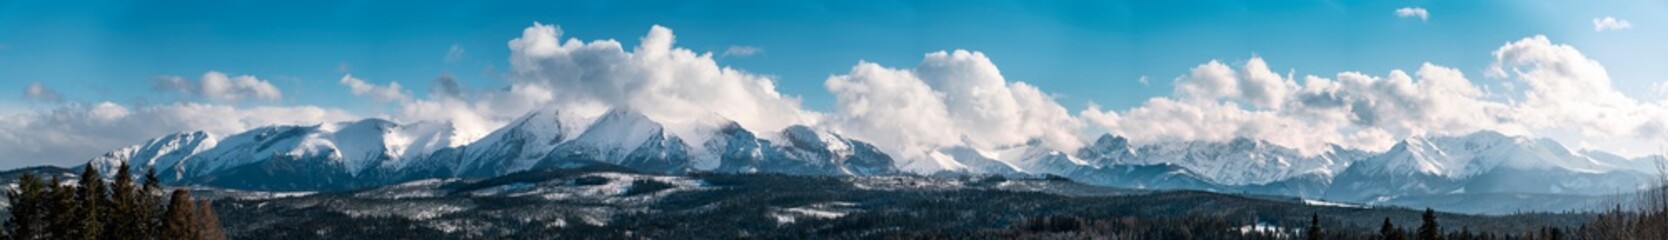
{"x":1487,"y":162}
{"x":374,"y":152}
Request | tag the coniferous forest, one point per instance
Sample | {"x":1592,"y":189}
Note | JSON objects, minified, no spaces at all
{"x":93,"y":208}
{"x":126,"y":207}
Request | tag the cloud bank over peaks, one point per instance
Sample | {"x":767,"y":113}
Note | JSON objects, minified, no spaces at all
{"x":1565,"y":94}
{"x":954,"y":98}
{"x":1352,"y":109}
{"x":664,"y":82}
{"x":1255,"y":84}
{"x":1565,"y":89}
{"x":689,"y":92}
{"x":75,"y":132}
{"x":70,"y":131}
{"x":951,"y":99}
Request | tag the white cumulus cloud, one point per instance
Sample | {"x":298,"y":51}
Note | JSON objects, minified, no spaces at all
{"x":664,"y":82}
{"x":1354,"y":110}
{"x":1565,"y":89}
{"x":685,"y":90}
{"x":1255,"y":84}
{"x":1559,"y":93}
{"x":954,"y":98}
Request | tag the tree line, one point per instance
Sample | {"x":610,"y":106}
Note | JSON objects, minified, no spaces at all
{"x":93,"y":208}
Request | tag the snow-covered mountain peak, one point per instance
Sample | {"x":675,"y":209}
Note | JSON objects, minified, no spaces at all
{"x":518,"y":145}
{"x":1036,"y":157}
{"x":1106,"y":149}
{"x":1239,"y":161}
{"x":621,"y":129}
{"x":1475,"y":153}
{"x":164,"y":152}
{"x":423,"y":138}
{"x":806,"y":137}
{"x":1484,"y":162}
{"x":1112,"y":141}
{"x":972,"y":160}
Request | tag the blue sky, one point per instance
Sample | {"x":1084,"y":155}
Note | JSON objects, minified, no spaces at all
{"x":1081,"y":51}
{"x":1077,"y":52}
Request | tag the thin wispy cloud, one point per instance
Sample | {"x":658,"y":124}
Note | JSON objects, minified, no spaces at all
{"x":742,"y":51}
{"x":387,"y":93}
{"x":1414,"y":12}
{"x":220,"y":87}
{"x":1661,"y":89}
{"x":1610,"y":24}
{"x":456,"y":54}
{"x":38,"y":92}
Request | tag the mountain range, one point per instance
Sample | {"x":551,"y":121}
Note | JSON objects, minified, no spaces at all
{"x":375,"y":152}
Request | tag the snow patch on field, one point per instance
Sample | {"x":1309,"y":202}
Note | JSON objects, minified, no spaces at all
{"x":817,"y":213}
{"x":409,"y":210}
{"x":471,"y":228}
{"x":556,"y":223}
{"x":897,"y":183}
{"x":1265,"y":228}
{"x":252,"y":195}
{"x":1312,"y":202}
{"x":830,"y":210}
{"x":426,"y":188}
{"x":594,"y":220}
{"x":612,"y":190}
{"x":502,"y":190}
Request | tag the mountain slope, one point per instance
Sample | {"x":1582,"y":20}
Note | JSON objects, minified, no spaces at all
{"x":1483,"y":162}
{"x":803,"y":151}
{"x":163,"y":153}
{"x":516,"y":146}
{"x":375,"y":152}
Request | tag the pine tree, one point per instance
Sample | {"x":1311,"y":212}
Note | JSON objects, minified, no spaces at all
{"x":208,"y":223}
{"x":92,"y":201}
{"x":124,"y":221}
{"x":180,"y":222}
{"x":150,"y":197}
{"x":1314,"y":232}
{"x":1387,"y":231}
{"x":1429,"y":230}
{"x":92,"y":209}
{"x":63,"y":220}
{"x":28,"y":220}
